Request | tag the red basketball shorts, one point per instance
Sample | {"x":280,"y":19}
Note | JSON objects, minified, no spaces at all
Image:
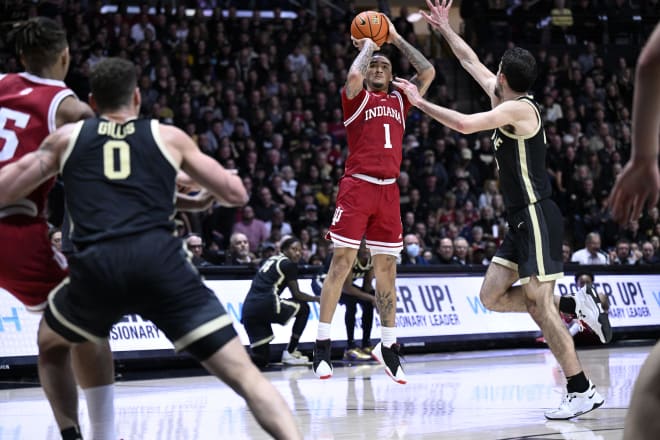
{"x":369,"y":210}
{"x":29,"y":267}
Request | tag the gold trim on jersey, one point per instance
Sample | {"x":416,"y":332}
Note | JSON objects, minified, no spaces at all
{"x":202,"y":331}
{"x":279,"y":281}
{"x":65,"y":322}
{"x":538,"y":240}
{"x":72,"y":142}
{"x":506,"y":263}
{"x":262,"y":341}
{"x":524,"y":171}
{"x":293,"y":304}
{"x":551,"y":277}
{"x":538,"y":125}
{"x":155,"y":132}
{"x":544,"y":278}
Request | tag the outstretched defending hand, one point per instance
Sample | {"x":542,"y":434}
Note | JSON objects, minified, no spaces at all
{"x":438,"y":15}
{"x":637,"y":185}
{"x":409,"y":89}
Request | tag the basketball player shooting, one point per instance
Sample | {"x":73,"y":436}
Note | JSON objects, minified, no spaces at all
{"x":368,"y":198}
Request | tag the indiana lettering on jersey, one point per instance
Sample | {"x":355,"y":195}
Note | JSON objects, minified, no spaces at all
{"x":114,"y":130}
{"x":382,"y":110}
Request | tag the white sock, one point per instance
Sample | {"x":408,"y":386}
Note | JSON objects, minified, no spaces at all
{"x":101,"y":409}
{"x":323,"y":331}
{"x":574,"y":329}
{"x":388,"y":336}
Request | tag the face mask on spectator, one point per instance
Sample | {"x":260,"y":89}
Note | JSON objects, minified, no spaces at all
{"x":412,"y":250}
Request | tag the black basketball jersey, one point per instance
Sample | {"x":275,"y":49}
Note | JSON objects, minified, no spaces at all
{"x":361,"y":270}
{"x":119,"y":180}
{"x":273,"y":276}
{"x":521,"y":164}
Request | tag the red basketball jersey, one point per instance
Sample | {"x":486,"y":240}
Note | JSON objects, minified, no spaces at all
{"x":375,"y":123}
{"x":28,"y":105}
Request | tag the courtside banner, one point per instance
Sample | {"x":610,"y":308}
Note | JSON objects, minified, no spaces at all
{"x":427,"y":307}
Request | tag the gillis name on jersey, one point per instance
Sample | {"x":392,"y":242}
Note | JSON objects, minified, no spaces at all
{"x":114,"y":130}
{"x":382,"y":110}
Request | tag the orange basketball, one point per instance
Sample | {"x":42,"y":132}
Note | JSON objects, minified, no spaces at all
{"x":370,"y":24}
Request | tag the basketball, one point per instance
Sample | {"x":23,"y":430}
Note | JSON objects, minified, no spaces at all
{"x":370,"y":24}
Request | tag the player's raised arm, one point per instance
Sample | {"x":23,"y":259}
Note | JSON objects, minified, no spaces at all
{"x":438,"y":18}
{"x":425,"y":70}
{"x":358,"y":70}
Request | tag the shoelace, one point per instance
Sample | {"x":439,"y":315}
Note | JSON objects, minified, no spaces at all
{"x":568,"y":398}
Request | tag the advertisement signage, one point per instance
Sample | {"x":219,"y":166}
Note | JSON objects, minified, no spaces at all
{"x":427,"y":307}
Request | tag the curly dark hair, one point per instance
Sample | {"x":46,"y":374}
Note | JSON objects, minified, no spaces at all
{"x":40,"y":41}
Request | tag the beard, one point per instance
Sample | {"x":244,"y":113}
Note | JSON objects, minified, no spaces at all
{"x":379,"y":85}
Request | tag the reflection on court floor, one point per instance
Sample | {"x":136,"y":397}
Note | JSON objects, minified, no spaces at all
{"x":484,"y":395}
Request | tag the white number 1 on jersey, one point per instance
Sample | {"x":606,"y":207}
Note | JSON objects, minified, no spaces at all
{"x":388,"y":142}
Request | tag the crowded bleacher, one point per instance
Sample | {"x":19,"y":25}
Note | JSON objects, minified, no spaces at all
{"x":258,"y":90}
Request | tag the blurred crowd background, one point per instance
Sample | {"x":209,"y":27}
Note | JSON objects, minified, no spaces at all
{"x":257,"y":85}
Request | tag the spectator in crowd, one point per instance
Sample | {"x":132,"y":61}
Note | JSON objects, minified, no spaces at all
{"x":462,"y":251}
{"x":648,"y":255}
{"x":309,"y":221}
{"x":489,"y":192}
{"x":264,"y":207}
{"x":252,"y":228}
{"x":262,"y":308}
{"x":591,"y":253}
{"x":561,"y":24}
{"x":445,"y":253}
{"x":266,"y":250}
{"x":566,"y":252}
{"x":412,"y":251}
{"x":278,"y":223}
{"x":196,"y":247}
{"x":239,"y":250}
{"x":622,"y":253}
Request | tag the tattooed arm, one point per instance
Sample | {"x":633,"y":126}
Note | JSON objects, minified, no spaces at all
{"x":20,"y":178}
{"x":424,"y":68}
{"x":358,"y":70}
